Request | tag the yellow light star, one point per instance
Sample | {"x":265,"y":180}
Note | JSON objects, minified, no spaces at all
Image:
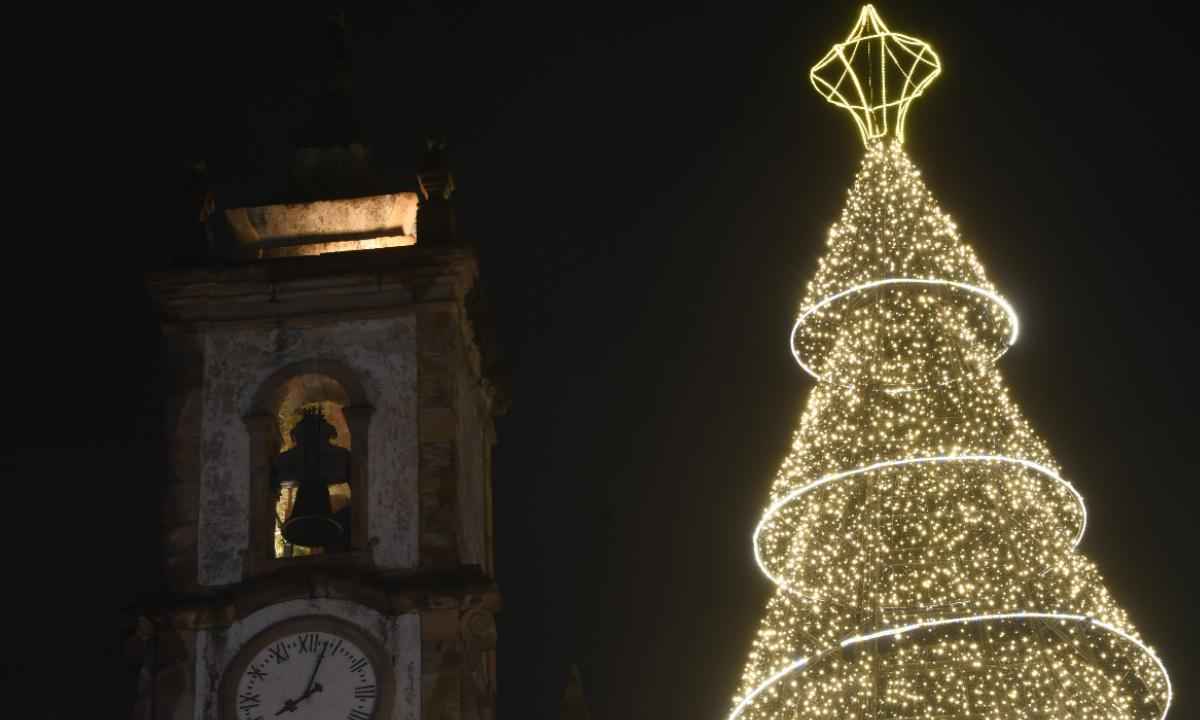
{"x":876,"y":74}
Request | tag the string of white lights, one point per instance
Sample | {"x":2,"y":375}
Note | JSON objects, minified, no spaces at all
{"x":1148,"y":651}
{"x":737,"y":710}
{"x":775,"y":507}
{"x":804,"y":662}
{"x":1014,"y":322}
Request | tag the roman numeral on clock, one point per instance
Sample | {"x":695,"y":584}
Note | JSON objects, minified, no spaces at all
{"x":364,"y":691}
{"x":357,"y":714}
{"x":256,"y":673}
{"x":248,"y":701}
{"x":279,"y":652}
{"x":308,"y":642}
{"x":358,"y":664}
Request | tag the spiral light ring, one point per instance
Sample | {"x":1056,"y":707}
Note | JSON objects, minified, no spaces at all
{"x":792,"y":496}
{"x":990,"y":295}
{"x":801,"y":663}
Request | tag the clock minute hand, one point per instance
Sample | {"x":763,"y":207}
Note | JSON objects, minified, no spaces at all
{"x":308,"y":688}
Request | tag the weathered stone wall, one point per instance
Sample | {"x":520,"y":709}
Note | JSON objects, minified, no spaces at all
{"x":400,"y":635}
{"x":182,"y":414}
{"x":457,"y":662}
{"x":441,"y":661}
{"x":474,"y":426}
{"x":237,"y":360}
{"x":457,"y":639}
{"x":455,"y":425}
{"x":167,"y":687}
{"x":437,"y":353}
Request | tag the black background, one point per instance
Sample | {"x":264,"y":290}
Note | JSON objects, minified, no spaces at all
{"x":649,"y":189}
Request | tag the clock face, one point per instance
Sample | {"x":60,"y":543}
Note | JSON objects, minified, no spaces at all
{"x":305,"y":671}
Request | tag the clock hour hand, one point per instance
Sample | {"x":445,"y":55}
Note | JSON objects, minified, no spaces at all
{"x":291,"y":705}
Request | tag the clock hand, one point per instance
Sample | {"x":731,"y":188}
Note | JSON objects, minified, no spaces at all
{"x":292,"y":705}
{"x":288,"y":706}
{"x":311,"y":691}
{"x":309,"y":688}
{"x":316,"y":667}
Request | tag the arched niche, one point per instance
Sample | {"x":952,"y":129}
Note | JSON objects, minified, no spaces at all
{"x":335,"y":389}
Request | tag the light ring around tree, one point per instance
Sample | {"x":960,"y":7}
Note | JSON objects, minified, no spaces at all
{"x":990,"y":295}
{"x":804,"y":662}
{"x":792,"y":496}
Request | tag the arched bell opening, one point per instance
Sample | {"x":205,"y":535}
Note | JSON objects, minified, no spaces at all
{"x":313,"y":515}
{"x":308,"y":428}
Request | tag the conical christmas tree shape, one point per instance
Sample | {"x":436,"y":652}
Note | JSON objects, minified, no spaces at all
{"x":919,"y":533}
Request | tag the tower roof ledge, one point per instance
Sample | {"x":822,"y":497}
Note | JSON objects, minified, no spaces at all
{"x":325,"y":226}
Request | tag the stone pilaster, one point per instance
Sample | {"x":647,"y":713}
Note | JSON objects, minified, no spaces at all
{"x":438,"y":465}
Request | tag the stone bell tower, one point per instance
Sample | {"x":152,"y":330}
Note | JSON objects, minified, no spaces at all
{"x":342,"y":312}
{"x":329,"y":423}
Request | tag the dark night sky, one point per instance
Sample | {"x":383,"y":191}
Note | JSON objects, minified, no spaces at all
{"x":650,"y":192}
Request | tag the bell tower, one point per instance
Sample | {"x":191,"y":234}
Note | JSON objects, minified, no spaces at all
{"x":327,"y":524}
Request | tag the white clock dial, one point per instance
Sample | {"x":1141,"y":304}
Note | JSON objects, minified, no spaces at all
{"x":305,"y":675}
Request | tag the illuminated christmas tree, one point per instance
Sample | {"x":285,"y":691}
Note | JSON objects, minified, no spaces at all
{"x":919,"y":533}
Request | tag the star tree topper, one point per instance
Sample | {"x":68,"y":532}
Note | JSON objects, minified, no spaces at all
{"x":876,"y":74}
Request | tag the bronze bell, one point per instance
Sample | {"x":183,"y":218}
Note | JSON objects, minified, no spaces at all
{"x":313,"y":465}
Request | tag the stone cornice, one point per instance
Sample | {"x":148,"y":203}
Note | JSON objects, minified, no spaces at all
{"x":364,"y":282}
{"x":391,"y":594}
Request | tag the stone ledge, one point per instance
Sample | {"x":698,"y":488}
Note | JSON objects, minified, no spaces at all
{"x":392,"y":594}
{"x":366,"y":279}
